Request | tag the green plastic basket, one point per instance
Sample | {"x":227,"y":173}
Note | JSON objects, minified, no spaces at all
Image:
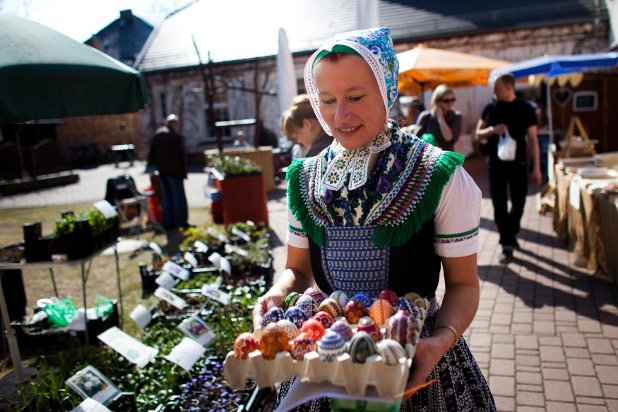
{"x":349,"y":405}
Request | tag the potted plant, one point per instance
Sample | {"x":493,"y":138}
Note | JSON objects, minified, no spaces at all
{"x":241,"y":187}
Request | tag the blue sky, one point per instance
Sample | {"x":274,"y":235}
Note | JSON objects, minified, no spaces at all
{"x":80,"y":19}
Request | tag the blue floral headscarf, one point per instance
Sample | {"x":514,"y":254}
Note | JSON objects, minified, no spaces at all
{"x":375,"y":46}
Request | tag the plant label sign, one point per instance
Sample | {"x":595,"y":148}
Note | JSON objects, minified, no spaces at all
{"x":235,"y":249}
{"x":165,"y":280}
{"x":200,"y":246}
{"x":155,"y":247}
{"x":170,"y":298}
{"x":188,"y":256}
{"x":241,"y":234}
{"x":90,"y":405}
{"x":225,"y":266}
{"x":129,"y":347}
{"x":106,"y":208}
{"x":176,"y":270}
{"x":212,"y":291}
{"x":90,"y":383}
{"x":141,"y":316}
{"x":198,"y":330}
{"x":186,"y":353}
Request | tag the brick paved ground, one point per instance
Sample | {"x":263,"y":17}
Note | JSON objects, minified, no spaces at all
{"x":546,"y":333}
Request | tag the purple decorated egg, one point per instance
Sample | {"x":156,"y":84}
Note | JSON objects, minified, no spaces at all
{"x":389,"y":296}
{"x":341,"y":297}
{"x":325,"y":319}
{"x":364,"y":298}
{"x":354,"y":310}
{"x":366,"y":324}
{"x":402,"y":327}
{"x":391,"y":351}
{"x":301,"y":345}
{"x":273,"y":315}
{"x":362,"y":346}
{"x":290,"y":328}
{"x":343,"y":328}
{"x":307,"y":304}
{"x":317,"y":295}
{"x":297,"y":316}
{"x":332,"y":307}
{"x":381,"y":310}
{"x":330,"y":346}
{"x":290,"y":300}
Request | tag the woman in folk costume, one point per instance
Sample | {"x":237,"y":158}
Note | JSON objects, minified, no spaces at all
{"x":380,"y":209}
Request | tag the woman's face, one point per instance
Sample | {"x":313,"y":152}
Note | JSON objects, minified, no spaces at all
{"x":350,"y":100}
{"x":306,"y":135}
{"x":447,"y":102}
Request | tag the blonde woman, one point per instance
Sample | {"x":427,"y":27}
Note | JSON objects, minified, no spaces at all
{"x":442,"y":121}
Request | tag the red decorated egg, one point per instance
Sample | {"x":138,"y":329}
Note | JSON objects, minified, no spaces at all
{"x":302,"y":344}
{"x":389,"y":296}
{"x":244,"y":344}
{"x":366,"y":324}
{"x":332,"y":307}
{"x":274,"y":340}
{"x":325,"y":319}
{"x":354,"y":310}
{"x":381,"y":310}
{"x":313,"y":328}
{"x":402,"y":327}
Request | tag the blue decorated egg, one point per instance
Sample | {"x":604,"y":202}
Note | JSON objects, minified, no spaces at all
{"x":364,"y":298}
{"x":361,"y":347}
{"x":330,"y":346}
{"x":307,"y":304}
{"x":341,"y":297}
{"x":273,"y":315}
{"x":342,"y":327}
{"x":297,"y":316}
{"x":391,"y":351}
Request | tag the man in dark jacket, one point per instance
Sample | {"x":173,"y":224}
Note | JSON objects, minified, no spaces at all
{"x":168,"y":156}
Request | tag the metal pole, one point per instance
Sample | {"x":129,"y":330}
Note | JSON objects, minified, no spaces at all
{"x":10,"y":336}
{"x":550,"y":124}
{"x":86,"y":341}
{"x":53,"y":279}
{"x":118,"y":281}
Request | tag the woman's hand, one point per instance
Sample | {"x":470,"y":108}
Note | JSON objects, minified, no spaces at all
{"x":429,"y":352}
{"x":274,"y":297}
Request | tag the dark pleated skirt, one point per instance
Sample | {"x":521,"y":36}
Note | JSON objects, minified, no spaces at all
{"x":461,"y":385}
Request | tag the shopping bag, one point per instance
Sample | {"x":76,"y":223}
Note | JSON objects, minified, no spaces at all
{"x":507,"y":146}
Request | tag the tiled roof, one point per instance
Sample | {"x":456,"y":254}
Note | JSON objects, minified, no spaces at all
{"x":238,"y":29}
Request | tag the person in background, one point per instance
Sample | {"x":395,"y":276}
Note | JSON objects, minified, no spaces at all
{"x":241,"y":140}
{"x":168,"y":156}
{"x":509,"y":115}
{"x":442,"y":121}
{"x":379,"y":208}
{"x":300,"y":124}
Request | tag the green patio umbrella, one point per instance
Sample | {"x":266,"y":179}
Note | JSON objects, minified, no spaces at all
{"x":45,"y":74}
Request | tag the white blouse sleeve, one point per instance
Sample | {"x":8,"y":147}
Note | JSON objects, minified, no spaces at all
{"x":296,"y":235}
{"x":458,"y":216}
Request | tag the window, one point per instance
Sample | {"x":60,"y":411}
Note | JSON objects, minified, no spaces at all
{"x":585,"y":101}
{"x":221,"y":113}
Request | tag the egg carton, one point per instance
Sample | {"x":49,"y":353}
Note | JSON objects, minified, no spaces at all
{"x":388,"y":380}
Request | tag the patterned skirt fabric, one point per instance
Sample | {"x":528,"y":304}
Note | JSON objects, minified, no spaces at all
{"x":461,"y":385}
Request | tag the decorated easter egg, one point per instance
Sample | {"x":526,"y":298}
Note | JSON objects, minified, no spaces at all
{"x":364,"y":298}
{"x":244,"y":344}
{"x":402,"y":328}
{"x":366,"y":324}
{"x":314,"y":329}
{"x":354,"y":310}
{"x":325,"y":319}
{"x":342,"y":327}
{"x":405,"y":304}
{"x":290,"y":300}
{"x":317,"y":295}
{"x":274,"y":340}
{"x":302,"y":344}
{"x":307,"y":304}
{"x":381,"y":310}
{"x":290,"y":329}
{"x":389,"y":296}
{"x":391,"y":351}
{"x":332,"y":307}
{"x":362,"y":346}
{"x":416,"y":299}
{"x":341,"y":297}
{"x":296,"y":315}
{"x":330,"y":346}
{"x":272,"y":315}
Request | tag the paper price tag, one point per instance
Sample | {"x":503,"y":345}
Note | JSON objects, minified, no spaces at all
{"x":186,"y":353}
{"x":212,"y":292}
{"x":141,"y":316}
{"x":176,"y":270}
{"x":171,"y":298}
{"x":127,"y":346}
